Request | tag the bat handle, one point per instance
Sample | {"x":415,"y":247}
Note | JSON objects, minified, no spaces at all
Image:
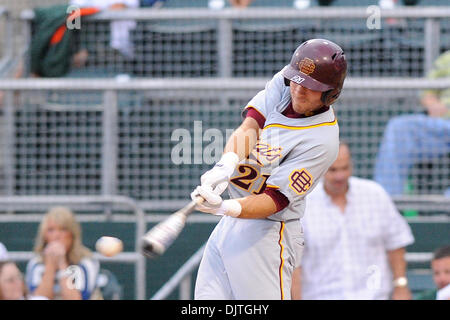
{"x":199,"y":200}
{"x":191,"y":206}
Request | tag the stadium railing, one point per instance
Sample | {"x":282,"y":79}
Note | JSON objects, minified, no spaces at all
{"x":121,"y":127}
{"x":10,"y":206}
{"x":182,"y":278}
{"x":419,"y":273}
{"x":124,"y":147}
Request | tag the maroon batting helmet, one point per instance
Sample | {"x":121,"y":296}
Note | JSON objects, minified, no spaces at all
{"x":318,"y":65}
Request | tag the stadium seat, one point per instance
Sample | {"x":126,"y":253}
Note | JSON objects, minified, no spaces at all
{"x":428,"y":236}
{"x":430,"y":177}
{"x":186,"y":4}
{"x":184,"y":49}
{"x":354,"y":3}
{"x":109,"y":285}
{"x":433,"y":2}
{"x":420,"y":280}
{"x":269,"y":3}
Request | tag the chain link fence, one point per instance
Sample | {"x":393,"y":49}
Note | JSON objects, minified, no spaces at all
{"x":100,"y":131}
{"x":162,"y":139}
{"x":63,"y":141}
{"x":255,"y":43}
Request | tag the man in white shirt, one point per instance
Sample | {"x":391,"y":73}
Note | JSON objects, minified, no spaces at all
{"x":120,"y":29}
{"x":3,"y":252}
{"x":355,"y":240}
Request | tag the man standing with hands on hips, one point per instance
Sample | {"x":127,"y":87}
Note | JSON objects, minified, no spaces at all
{"x":286,"y":142}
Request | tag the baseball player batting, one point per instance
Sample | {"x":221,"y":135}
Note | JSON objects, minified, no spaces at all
{"x":286,"y":142}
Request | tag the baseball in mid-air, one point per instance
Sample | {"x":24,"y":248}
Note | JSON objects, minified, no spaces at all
{"x":109,"y":246}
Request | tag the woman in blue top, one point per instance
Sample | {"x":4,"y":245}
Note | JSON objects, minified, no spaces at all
{"x":63,"y":268}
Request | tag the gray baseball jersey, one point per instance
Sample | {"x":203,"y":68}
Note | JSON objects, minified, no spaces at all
{"x":254,"y":258}
{"x":291,"y":155}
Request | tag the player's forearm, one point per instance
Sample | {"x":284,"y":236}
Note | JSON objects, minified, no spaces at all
{"x":296,"y":289}
{"x":257,"y":206}
{"x":243,"y":139}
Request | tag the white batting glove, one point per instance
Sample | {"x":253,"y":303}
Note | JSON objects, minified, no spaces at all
{"x":216,"y":179}
{"x":211,"y":198}
{"x":212,"y":201}
{"x":218,"y":207}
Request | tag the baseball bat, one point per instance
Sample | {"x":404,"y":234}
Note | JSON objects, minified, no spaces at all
{"x":159,"y":238}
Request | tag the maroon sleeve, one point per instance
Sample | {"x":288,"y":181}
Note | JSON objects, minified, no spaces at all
{"x":253,"y":113}
{"x":281,"y":201}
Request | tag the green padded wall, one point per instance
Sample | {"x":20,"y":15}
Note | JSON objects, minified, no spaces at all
{"x":20,"y":237}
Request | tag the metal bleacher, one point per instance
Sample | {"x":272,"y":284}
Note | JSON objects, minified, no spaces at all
{"x":110,"y":129}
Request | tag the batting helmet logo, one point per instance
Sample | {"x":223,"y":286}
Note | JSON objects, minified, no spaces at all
{"x":297,"y":79}
{"x":306,"y":66}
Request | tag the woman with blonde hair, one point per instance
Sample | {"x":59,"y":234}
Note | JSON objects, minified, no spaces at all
{"x":63,"y":267}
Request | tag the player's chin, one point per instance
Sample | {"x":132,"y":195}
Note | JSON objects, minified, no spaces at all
{"x":304,"y":106}
{"x":301,"y":107}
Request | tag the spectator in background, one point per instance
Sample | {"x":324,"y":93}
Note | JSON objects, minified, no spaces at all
{"x":410,"y":2}
{"x":440,"y":264}
{"x":409,"y":139}
{"x":12,"y":285}
{"x":355,"y":240}
{"x":240,"y":3}
{"x":52,"y":49}
{"x":220,"y":4}
{"x":325,"y":3}
{"x":304,"y":4}
{"x":120,"y":37}
{"x":152,"y":3}
{"x":63,"y":268}
{"x":52,"y":53}
{"x":3,"y":252}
